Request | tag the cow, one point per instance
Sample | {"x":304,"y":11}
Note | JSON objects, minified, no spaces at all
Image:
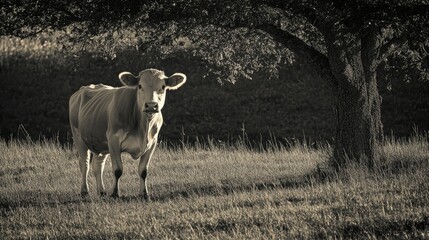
{"x":109,"y":120}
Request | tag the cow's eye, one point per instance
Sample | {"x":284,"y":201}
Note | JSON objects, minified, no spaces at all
{"x":162,"y":89}
{"x":140,"y":86}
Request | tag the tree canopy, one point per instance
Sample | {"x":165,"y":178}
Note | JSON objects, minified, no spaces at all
{"x":250,"y":35}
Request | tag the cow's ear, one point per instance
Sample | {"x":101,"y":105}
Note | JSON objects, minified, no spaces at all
{"x":128,"y":79}
{"x":175,"y":81}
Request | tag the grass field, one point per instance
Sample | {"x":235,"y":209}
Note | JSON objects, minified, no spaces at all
{"x":217,"y":192}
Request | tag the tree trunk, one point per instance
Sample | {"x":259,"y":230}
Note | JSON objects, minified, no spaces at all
{"x":359,"y":127}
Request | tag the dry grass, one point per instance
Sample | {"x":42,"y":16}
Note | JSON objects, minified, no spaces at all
{"x":210,"y":192}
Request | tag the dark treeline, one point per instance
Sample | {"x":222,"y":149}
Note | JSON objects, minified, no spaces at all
{"x":296,"y":104}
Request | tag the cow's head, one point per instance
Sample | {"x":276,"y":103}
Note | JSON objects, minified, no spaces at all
{"x":151,"y":86}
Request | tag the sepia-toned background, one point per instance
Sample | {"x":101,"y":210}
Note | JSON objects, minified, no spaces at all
{"x":39,"y":75}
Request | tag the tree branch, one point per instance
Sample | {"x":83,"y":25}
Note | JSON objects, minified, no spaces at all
{"x":389,"y":47}
{"x":309,"y":11}
{"x":71,"y":16}
{"x":301,"y":48}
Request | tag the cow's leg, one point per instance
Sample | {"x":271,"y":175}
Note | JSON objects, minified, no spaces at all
{"x":115,"y":156}
{"x":84,"y":159}
{"x":98,"y":162}
{"x":143,"y":167}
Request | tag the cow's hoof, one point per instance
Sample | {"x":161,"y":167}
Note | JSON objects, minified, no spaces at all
{"x":84,"y":194}
{"x":145,"y":197}
{"x":114,"y":195}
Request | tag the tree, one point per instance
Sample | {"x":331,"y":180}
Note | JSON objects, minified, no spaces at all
{"x":346,"y":41}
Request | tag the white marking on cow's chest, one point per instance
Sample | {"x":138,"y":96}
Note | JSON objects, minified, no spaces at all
{"x":137,"y":142}
{"x":134,"y":144}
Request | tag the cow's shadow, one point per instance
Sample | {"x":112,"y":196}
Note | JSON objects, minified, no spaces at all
{"x":39,"y":198}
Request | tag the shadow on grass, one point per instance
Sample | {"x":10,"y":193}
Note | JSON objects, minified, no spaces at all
{"x":320,"y":175}
{"x":397,"y":229}
{"x":38,"y":198}
{"x":227,"y":187}
{"x":404,"y":165}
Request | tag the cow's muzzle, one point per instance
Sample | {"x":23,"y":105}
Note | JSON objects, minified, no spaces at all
{"x":151,"y":107}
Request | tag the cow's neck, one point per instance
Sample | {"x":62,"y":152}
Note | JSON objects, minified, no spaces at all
{"x":149,"y":126}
